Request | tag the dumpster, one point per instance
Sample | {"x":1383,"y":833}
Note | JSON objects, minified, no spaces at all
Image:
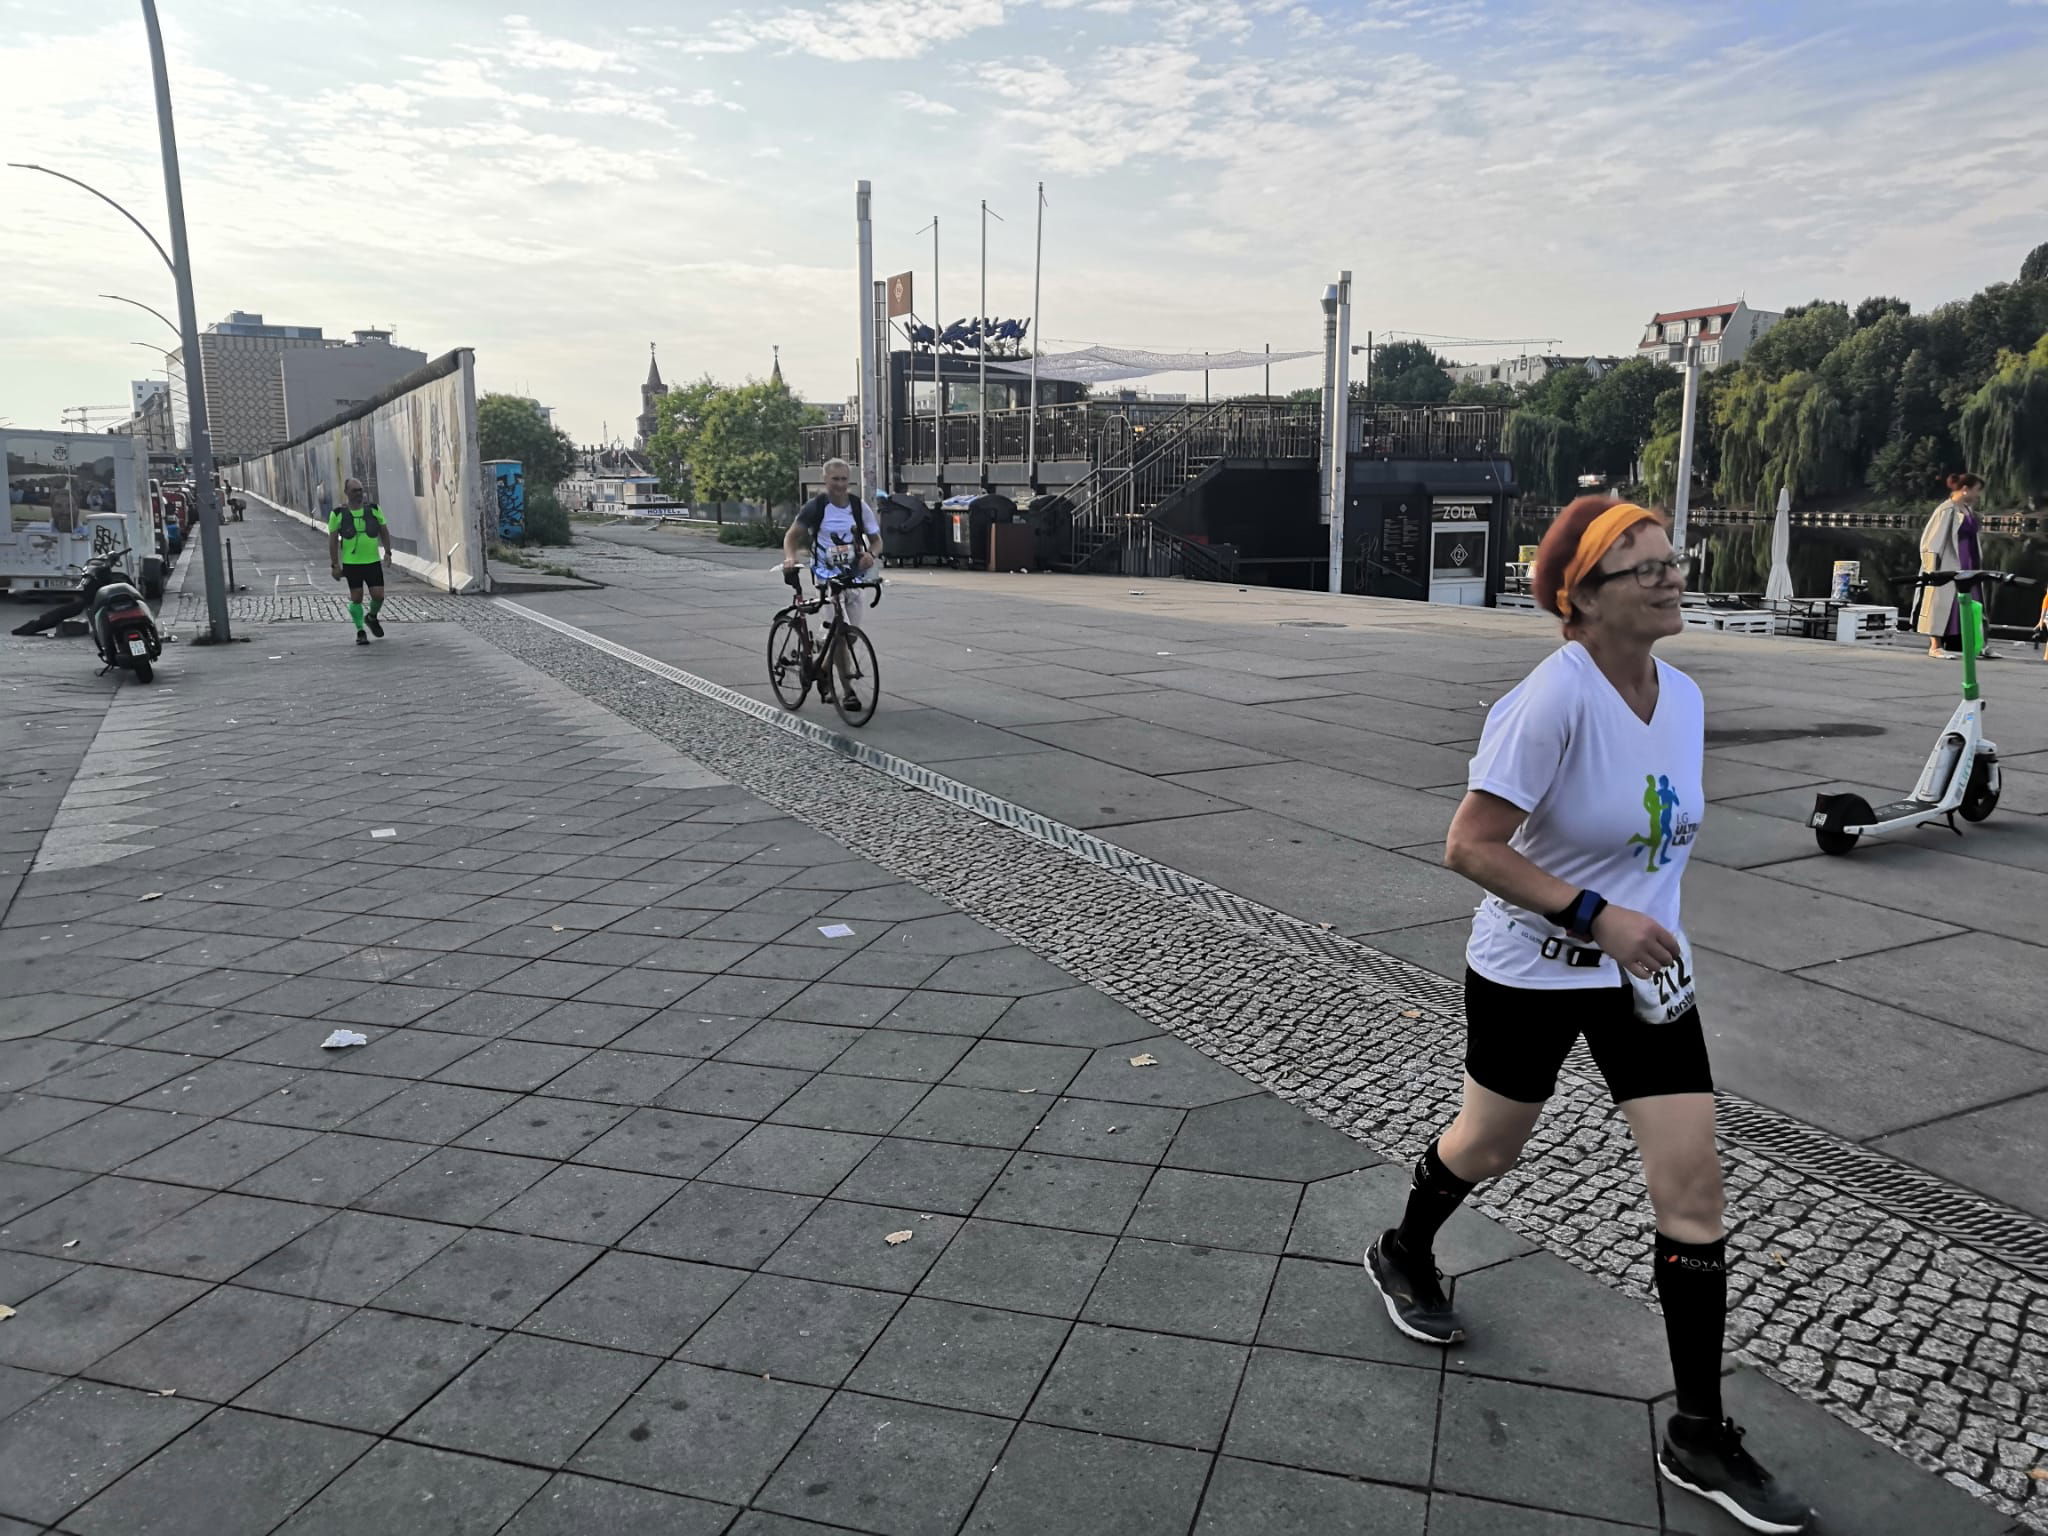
{"x":911,"y":532}
{"x":966,"y":520}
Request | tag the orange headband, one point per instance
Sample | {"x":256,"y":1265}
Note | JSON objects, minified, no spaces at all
{"x":1599,"y":537}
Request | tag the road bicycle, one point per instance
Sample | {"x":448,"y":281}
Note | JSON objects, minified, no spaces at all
{"x":840,"y":662}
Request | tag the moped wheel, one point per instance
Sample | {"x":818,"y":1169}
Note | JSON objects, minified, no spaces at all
{"x":143,"y":671}
{"x":787,"y":673}
{"x":855,"y":673}
{"x":1843,"y":811}
{"x":1980,"y":797}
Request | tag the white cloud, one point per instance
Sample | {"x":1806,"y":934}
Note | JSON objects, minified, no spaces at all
{"x":851,"y":30}
{"x":911,"y":101}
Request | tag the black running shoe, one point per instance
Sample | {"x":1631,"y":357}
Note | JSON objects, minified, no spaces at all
{"x":1416,"y":1303}
{"x":361,"y":638}
{"x":852,"y":701}
{"x":375,"y":628}
{"x":1706,"y":1457}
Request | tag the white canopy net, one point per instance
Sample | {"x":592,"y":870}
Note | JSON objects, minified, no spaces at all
{"x":1107,"y":365}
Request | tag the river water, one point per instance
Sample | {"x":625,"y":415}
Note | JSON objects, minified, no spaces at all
{"x":1735,"y":556}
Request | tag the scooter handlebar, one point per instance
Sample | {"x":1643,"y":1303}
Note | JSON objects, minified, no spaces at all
{"x":1971,"y":578}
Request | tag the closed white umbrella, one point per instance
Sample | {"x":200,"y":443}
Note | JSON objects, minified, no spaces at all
{"x":1780,"y":584}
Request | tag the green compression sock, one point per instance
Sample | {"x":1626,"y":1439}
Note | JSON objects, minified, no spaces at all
{"x":376,"y":606}
{"x":355,"y":612}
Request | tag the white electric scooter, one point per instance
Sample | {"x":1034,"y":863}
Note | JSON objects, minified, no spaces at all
{"x":1961,"y":775}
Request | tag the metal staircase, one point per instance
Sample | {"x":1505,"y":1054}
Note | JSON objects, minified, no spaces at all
{"x":1142,"y":474}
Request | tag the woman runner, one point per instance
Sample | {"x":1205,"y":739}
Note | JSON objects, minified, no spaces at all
{"x":1584,"y":799}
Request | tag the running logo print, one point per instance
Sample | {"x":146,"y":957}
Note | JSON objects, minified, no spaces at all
{"x":1669,"y":826}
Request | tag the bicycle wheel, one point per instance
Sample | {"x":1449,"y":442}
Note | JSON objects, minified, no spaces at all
{"x":856,"y":676}
{"x":787,"y":673}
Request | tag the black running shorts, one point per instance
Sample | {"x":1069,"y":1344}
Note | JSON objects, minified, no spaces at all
{"x":362,"y":573}
{"x":1517,"y":1037}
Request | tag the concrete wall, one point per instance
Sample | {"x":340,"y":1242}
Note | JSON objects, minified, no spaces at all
{"x":414,"y":447}
{"x":321,"y":383}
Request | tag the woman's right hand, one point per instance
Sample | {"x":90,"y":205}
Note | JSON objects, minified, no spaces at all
{"x":1637,"y":942}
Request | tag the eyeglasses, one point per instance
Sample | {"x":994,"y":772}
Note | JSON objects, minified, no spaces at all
{"x":1649,"y":574}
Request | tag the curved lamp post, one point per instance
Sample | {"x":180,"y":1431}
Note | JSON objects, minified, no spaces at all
{"x":120,"y":298}
{"x":179,"y":260}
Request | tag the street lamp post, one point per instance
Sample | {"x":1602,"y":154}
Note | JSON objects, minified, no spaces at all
{"x":178,"y":259}
{"x":188,"y":327}
{"x":124,"y":299}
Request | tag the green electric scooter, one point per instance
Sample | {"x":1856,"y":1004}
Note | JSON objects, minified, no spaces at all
{"x":1961,"y":775}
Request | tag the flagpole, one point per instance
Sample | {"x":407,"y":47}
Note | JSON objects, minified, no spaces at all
{"x":982,"y":343}
{"x":938,"y":386}
{"x":1037,"y":267}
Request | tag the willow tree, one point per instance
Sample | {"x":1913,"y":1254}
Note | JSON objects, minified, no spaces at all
{"x":1546,"y":453}
{"x":1790,"y":432}
{"x":2004,"y":427}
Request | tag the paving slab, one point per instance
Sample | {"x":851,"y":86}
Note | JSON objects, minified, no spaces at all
{"x":627,"y":1261}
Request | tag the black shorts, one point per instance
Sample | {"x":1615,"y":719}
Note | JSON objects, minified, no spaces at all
{"x":362,"y":573}
{"x":1517,"y":1037}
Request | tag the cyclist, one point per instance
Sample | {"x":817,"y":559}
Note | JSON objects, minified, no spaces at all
{"x":838,"y":536}
{"x":1583,"y":805}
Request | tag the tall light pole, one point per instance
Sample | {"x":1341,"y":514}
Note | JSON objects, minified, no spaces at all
{"x":123,"y":299}
{"x":1339,"y":463}
{"x":216,"y":588}
{"x":1037,"y":270}
{"x":188,"y":328}
{"x":874,"y":476}
{"x":1682,"y":496}
{"x":1329,"y":408}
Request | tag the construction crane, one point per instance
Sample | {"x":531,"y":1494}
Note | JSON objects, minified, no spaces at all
{"x":79,"y":417}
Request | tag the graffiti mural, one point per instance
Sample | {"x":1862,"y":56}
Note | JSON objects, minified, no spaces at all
{"x":414,"y":448}
{"x":510,"y":479}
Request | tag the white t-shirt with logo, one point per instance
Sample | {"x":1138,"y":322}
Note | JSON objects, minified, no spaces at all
{"x":835,"y":550}
{"x":1614,"y":804}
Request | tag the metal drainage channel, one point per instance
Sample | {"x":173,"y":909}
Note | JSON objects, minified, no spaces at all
{"x":2010,"y":1236}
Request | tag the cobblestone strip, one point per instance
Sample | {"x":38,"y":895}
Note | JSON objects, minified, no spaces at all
{"x":1929,"y":1346}
{"x":290,"y":605}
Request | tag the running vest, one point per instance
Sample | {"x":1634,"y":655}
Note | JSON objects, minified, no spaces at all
{"x":344,"y":522}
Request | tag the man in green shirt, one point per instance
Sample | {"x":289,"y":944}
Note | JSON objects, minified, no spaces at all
{"x":355,"y":533}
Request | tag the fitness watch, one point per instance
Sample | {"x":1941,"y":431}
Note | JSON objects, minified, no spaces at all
{"x":1576,"y":916}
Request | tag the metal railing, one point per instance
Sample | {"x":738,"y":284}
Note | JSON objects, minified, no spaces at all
{"x":1146,"y":549}
{"x":1170,"y":455}
{"x":1076,"y":433}
{"x":1385,"y":431}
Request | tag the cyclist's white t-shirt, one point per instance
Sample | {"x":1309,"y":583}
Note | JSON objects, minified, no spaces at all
{"x":1614,"y":804}
{"x":836,"y":531}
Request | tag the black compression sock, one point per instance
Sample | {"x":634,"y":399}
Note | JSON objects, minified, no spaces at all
{"x":1692,"y":1285}
{"x":1433,"y":1193}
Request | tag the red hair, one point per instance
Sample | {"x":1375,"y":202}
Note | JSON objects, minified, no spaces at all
{"x":1555,"y":553}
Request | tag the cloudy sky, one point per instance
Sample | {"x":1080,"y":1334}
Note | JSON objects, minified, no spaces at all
{"x":557,"y":187}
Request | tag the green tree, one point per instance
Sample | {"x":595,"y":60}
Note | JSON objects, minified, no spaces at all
{"x":2035,"y":268}
{"x":1408,"y":373}
{"x":1558,"y":393}
{"x":511,"y":427}
{"x":1618,"y":412}
{"x":1469,"y":393}
{"x":1874,"y":309}
{"x":747,"y":447}
{"x":2004,"y":427}
{"x":1546,"y":452}
{"x":678,"y":422}
{"x":1801,"y":340}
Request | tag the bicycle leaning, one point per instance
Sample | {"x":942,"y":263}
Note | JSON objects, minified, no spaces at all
{"x":840,"y":662}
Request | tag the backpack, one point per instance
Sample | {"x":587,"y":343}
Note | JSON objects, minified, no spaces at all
{"x":373,"y":521}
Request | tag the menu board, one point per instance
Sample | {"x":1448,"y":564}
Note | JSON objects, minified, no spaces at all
{"x":1404,"y":549}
